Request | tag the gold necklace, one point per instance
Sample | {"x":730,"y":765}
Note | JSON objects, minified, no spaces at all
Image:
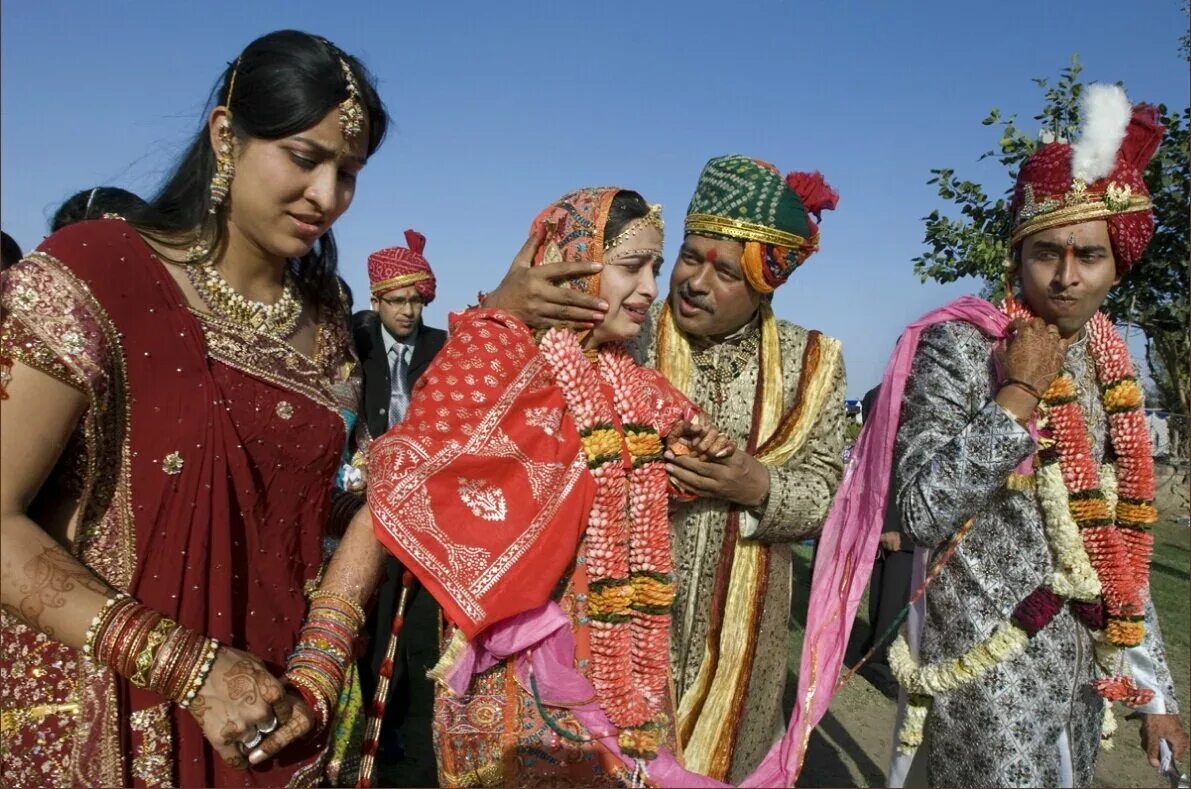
{"x":726,"y":366}
{"x":279,"y":319}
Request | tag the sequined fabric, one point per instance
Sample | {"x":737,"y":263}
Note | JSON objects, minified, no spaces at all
{"x":800,"y":494}
{"x":955,"y":450}
{"x":200,"y":495}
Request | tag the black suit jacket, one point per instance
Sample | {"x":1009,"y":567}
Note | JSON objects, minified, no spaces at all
{"x":374,"y":363}
{"x":405,"y":753}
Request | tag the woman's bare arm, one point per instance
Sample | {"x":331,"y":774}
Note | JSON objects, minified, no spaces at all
{"x":41,"y":583}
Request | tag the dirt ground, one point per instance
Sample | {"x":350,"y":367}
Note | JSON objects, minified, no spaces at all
{"x":851,"y":746}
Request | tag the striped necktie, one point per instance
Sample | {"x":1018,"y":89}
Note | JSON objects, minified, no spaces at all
{"x":398,"y":396}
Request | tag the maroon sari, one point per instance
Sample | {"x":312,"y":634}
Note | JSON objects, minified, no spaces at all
{"x":203,"y":464}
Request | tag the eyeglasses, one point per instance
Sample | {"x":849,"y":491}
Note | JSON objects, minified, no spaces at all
{"x":400,"y":302}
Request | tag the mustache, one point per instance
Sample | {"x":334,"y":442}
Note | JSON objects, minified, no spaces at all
{"x":700,"y":301}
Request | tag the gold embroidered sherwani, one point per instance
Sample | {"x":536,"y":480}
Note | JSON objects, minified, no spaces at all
{"x":723,"y":382}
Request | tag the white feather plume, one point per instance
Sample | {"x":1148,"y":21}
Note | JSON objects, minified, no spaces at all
{"x":1106,"y":114}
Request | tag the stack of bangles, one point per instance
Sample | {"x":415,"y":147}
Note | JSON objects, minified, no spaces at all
{"x":318,"y":666}
{"x":152,"y":651}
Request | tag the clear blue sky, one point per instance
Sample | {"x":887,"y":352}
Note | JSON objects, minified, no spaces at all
{"x":499,"y":108}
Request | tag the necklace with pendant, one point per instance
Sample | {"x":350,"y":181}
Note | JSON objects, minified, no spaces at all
{"x":279,"y":319}
{"x":723,"y":365}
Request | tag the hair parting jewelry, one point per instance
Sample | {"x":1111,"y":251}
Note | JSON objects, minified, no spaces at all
{"x":351,"y":109}
{"x":651,"y":219}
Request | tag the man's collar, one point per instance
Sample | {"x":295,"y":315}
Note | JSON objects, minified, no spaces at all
{"x":390,"y":341}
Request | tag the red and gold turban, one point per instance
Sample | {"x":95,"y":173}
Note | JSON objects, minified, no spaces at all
{"x":397,"y":267}
{"x":1098,"y":177}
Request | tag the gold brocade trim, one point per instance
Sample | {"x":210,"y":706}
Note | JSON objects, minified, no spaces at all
{"x":400,"y":281}
{"x":270,"y":359}
{"x":718,"y":684}
{"x":749,"y":231}
{"x":1093,"y":209}
{"x":1020,"y":482}
{"x":490,"y":774}
{"x":152,"y":757}
{"x":17,"y":718}
{"x":447,"y":661}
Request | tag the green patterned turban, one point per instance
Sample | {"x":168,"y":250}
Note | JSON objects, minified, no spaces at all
{"x":748,"y":200}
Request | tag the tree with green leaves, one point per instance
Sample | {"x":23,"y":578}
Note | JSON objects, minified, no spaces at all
{"x":1152,"y":297}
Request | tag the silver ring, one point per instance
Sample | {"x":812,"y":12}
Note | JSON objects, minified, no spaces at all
{"x":272,"y":727}
{"x":255,"y":741}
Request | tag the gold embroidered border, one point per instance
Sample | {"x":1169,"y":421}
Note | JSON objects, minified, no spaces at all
{"x":400,"y":281}
{"x":1074,"y":214}
{"x":740,"y":228}
{"x":268,"y":358}
{"x":152,"y":757}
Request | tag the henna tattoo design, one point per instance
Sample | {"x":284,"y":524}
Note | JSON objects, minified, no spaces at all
{"x":198,"y":709}
{"x":50,"y":576}
{"x":243,"y":681}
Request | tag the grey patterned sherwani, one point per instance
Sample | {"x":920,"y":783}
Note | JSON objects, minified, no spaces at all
{"x":956,"y":447}
{"x":799,"y":496}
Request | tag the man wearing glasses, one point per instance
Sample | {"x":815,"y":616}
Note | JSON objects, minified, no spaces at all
{"x":395,"y":348}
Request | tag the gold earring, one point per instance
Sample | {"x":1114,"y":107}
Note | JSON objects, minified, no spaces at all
{"x":225,"y":167}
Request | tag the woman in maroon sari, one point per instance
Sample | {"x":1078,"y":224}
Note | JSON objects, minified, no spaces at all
{"x":176,"y":392}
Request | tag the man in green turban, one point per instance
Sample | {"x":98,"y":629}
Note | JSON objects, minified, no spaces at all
{"x":777,"y":390}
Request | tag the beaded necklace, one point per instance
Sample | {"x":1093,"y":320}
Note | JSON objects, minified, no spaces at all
{"x":279,"y":319}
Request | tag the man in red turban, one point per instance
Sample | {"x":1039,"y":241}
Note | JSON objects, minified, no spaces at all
{"x":1022,"y":453}
{"x":395,"y":347}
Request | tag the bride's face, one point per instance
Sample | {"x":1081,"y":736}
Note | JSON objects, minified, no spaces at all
{"x":629,"y":284}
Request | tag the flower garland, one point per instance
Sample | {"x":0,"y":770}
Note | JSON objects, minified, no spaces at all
{"x":631,"y":587}
{"x":1098,"y":530}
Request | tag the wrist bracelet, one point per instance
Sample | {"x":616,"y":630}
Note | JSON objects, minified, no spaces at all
{"x":1020,"y":384}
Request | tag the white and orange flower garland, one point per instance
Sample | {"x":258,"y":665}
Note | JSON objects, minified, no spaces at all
{"x":1098,"y":533}
{"x":631,"y":587}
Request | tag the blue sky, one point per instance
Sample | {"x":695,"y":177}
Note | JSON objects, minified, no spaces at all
{"x":499,"y":108}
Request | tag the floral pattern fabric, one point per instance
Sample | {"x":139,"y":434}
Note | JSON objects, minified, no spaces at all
{"x":956,"y":449}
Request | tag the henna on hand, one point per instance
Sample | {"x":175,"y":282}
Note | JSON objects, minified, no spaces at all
{"x":198,"y":709}
{"x":243,"y":681}
{"x":1034,"y":356}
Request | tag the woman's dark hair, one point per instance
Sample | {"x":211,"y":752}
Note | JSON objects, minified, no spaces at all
{"x":285,"y":82}
{"x":10,"y":250}
{"x":626,"y":206}
{"x":93,"y":204}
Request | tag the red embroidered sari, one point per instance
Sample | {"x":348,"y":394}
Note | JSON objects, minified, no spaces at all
{"x":203,"y":466}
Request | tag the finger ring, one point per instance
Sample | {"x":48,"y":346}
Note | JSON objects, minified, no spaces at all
{"x":270,"y":728}
{"x":255,"y":741}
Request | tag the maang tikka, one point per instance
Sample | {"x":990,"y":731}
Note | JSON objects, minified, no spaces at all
{"x":351,"y":109}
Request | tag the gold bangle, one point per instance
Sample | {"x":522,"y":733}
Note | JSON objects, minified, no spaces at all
{"x":147,"y":655}
{"x":352,"y":605}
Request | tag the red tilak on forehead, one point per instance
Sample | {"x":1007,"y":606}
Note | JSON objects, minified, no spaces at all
{"x":712,"y":255}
